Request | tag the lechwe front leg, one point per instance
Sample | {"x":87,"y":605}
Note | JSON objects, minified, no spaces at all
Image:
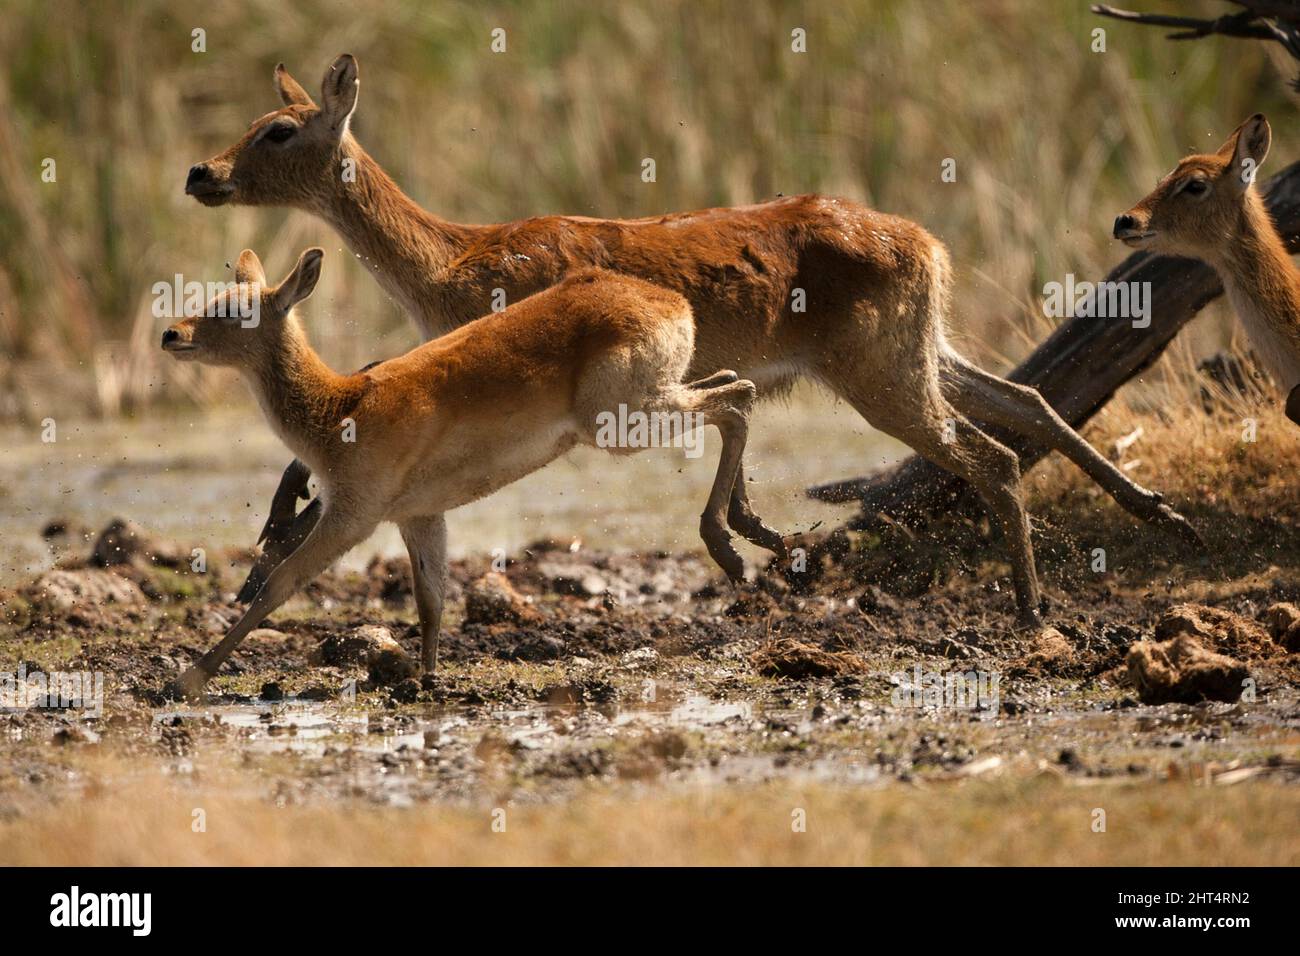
{"x":426,"y":543}
{"x":329,"y":540}
{"x":285,"y":527}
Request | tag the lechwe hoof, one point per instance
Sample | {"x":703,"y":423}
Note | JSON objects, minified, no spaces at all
{"x":750,"y":527}
{"x":718,"y":543}
{"x":190,"y":684}
{"x":1166,"y":517}
{"x":1029,"y":620}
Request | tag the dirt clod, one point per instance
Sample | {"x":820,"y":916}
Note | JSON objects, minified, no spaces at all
{"x":492,"y":599}
{"x":1050,"y":653}
{"x":1215,"y":628}
{"x":1181,"y":670}
{"x":62,"y":590}
{"x":796,"y":660}
{"x":1283,"y":621}
{"x":371,"y":646}
{"x":124,"y":542}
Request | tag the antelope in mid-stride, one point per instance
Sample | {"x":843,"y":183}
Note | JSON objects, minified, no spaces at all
{"x":802,"y":286}
{"x":1208,"y":208}
{"x":459,"y":417}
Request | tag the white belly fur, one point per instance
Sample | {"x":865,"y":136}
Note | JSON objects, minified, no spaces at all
{"x":465,"y":470}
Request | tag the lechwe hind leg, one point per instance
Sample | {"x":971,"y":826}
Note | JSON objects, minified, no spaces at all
{"x":743,"y":520}
{"x":913,"y":410}
{"x":686,"y":407}
{"x":285,"y":528}
{"x":426,"y":543}
{"x":983,"y":395}
{"x":740,"y":515}
{"x":329,"y":539}
{"x":727,"y":408}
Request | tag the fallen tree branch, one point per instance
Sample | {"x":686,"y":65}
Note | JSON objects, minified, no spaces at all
{"x":1078,"y":367}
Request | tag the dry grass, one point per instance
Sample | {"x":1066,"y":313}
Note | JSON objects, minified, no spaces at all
{"x":1041,"y":821}
{"x":1236,"y":464}
{"x":1049,"y":143}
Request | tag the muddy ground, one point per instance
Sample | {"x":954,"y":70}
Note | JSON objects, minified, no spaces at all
{"x":575,"y":668}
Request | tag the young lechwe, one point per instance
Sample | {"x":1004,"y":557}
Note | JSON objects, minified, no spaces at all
{"x":804,"y":286}
{"x":1208,"y":208}
{"x":459,"y":417}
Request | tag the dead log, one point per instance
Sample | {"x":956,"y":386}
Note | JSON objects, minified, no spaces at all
{"x":1078,"y":368}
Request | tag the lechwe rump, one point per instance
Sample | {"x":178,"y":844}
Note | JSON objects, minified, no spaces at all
{"x":802,"y":286}
{"x":459,"y":417}
{"x":1208,"y":208}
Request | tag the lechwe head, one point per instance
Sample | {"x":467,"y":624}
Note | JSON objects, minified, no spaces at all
{"x":245,"y":325}
{"x":290,"y":156}
{"x":1209,"y":208}
{"x":1198,"y":208}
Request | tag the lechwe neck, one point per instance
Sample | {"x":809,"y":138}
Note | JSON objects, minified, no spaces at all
{"x":1264,"y":288}
{"x":405,"y":247}
{"x":303,"y":399}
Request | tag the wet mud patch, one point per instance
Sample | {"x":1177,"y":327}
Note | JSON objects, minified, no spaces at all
{"x":571,"y":669}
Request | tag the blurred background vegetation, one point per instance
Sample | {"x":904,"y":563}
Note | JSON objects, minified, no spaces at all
{"x":1051,"y":141}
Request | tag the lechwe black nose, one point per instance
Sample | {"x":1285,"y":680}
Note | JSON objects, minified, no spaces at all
{"x":1124,"y":224}
{"x":198,"y":173}
{"x":171,"y":335}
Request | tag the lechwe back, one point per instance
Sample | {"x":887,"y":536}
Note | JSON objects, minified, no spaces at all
{"x":459,"y":417}
{"x":1208,"y":208}
{"x":801,"y":286}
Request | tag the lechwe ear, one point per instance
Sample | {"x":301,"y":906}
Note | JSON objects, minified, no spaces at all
{"x":291,"y":93}
{"x":299,"y":283}
{"x":338,"y":92}
{"x":1246,"y":149}
{"x":249,"y":269}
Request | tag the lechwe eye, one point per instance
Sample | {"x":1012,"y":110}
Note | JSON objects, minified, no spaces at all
{"x":280,"y":132}
{"x":1196,"y":187}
